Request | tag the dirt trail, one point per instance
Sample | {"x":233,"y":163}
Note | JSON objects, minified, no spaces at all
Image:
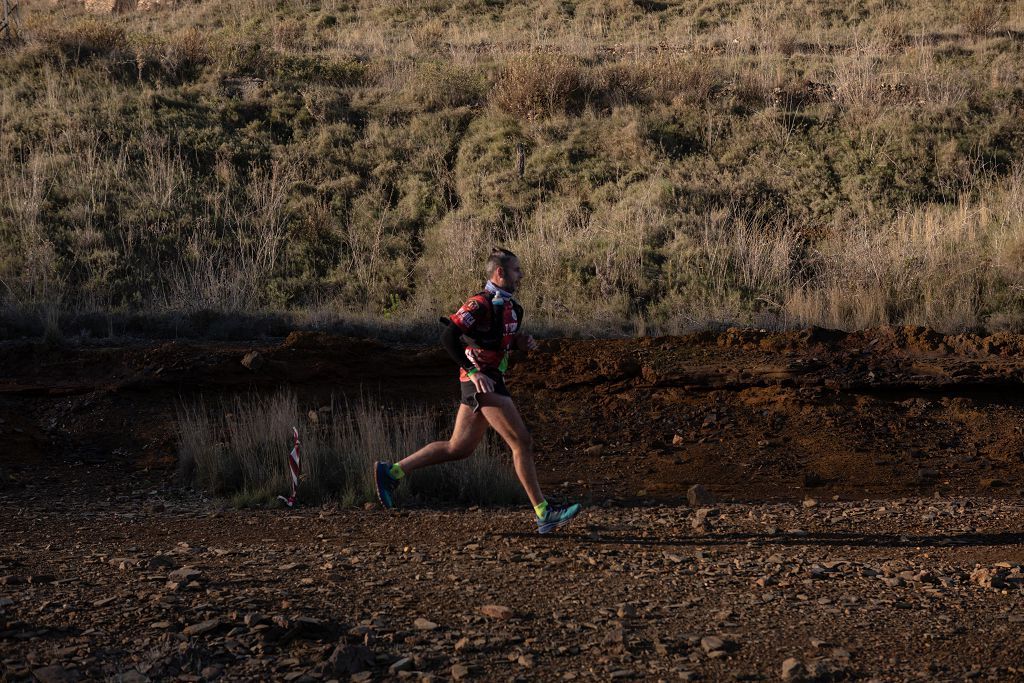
{"x":132,"y":582}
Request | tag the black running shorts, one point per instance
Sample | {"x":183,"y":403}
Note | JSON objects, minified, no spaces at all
{"x":471,"y":398}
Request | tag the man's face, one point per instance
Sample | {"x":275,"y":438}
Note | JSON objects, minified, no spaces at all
{"x":508,"y":278}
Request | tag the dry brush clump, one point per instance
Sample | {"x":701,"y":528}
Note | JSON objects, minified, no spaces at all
{"x":725,"y":164}
{"x":951,"y":267}
{"x":239,"y":450}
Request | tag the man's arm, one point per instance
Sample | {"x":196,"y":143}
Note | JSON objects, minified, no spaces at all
{"x":451,"y":340}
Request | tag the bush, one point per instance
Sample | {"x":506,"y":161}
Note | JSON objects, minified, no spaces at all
{"x":84,"y":40}
{"x":179,"y":59}
{"x":440,"y":85}
{"x":538,"y":85}
{"x":981,"y":17}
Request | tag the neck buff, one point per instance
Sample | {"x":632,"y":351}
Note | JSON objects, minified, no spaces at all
{"x":497,"y":291}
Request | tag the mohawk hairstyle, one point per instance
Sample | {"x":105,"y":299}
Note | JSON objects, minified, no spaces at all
{"x":499,"y":258}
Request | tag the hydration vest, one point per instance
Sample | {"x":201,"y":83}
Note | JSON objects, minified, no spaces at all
{"x":493,"y":338}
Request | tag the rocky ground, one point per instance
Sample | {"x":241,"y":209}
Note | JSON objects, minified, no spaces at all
{"x":136,"y":582}
{"x":860,"y":517}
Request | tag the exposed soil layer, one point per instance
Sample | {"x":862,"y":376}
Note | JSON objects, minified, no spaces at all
{"x":751,"y":415}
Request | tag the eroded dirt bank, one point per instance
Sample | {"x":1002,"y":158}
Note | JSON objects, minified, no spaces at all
{"x":751,"y":415}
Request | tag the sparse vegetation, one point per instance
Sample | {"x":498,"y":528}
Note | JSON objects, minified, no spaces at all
{"x":658,"y":166}
{"x":239,"y":450}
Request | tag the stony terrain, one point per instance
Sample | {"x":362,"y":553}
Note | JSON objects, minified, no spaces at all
{"x":136,"y":583}
{"x":859,"y":519}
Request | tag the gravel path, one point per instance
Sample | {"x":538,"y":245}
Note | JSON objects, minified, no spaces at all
{"x":147,"y":584}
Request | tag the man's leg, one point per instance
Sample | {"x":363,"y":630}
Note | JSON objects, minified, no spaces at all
{"x":501,"y":413}
{"x":469,"y":429}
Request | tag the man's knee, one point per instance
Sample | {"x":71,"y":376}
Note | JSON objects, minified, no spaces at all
{"x":523,"y":446}
{"x":459,"y":451}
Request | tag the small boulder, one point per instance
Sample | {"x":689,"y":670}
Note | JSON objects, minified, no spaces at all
{"x":184,"y":575}
{"x":422,"y":624}
{"x":201,"y":628}
{"x":792,"y":669}
{"x":349,"y":659}
{"x":403,"y":664}
{"x":253,"y":360}
{"x":712,"y":643}
{"x":702,"y":520}
{"x":499,"y":612}
{"x":55,"y":674}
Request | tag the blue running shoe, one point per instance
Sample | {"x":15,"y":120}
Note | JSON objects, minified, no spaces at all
{"x":386,"y":484}
{"x":557,"y":517}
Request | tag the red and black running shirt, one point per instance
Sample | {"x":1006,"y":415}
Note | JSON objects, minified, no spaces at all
{"x":489,"y":345}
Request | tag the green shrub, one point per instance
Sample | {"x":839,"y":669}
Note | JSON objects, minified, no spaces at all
{"x":486,"y":173}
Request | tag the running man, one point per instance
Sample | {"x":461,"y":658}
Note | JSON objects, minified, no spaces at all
{"x":479,"y":336}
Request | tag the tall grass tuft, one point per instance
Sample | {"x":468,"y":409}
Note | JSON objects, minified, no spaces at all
{"x":239,"y":449}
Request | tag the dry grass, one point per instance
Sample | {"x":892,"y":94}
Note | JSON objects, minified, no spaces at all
{"x":683,"y":164}
{"x":949,"y":267}
{"x":239,"y":450}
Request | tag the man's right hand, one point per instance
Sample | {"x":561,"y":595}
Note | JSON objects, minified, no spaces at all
{"x":483,"y":383}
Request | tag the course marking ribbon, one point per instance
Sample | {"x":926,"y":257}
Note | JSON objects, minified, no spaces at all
{"x":294,"y":469}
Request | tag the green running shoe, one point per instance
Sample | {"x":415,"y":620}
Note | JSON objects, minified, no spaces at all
{"x":385,"y":484}
{"x":557,"y":517}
